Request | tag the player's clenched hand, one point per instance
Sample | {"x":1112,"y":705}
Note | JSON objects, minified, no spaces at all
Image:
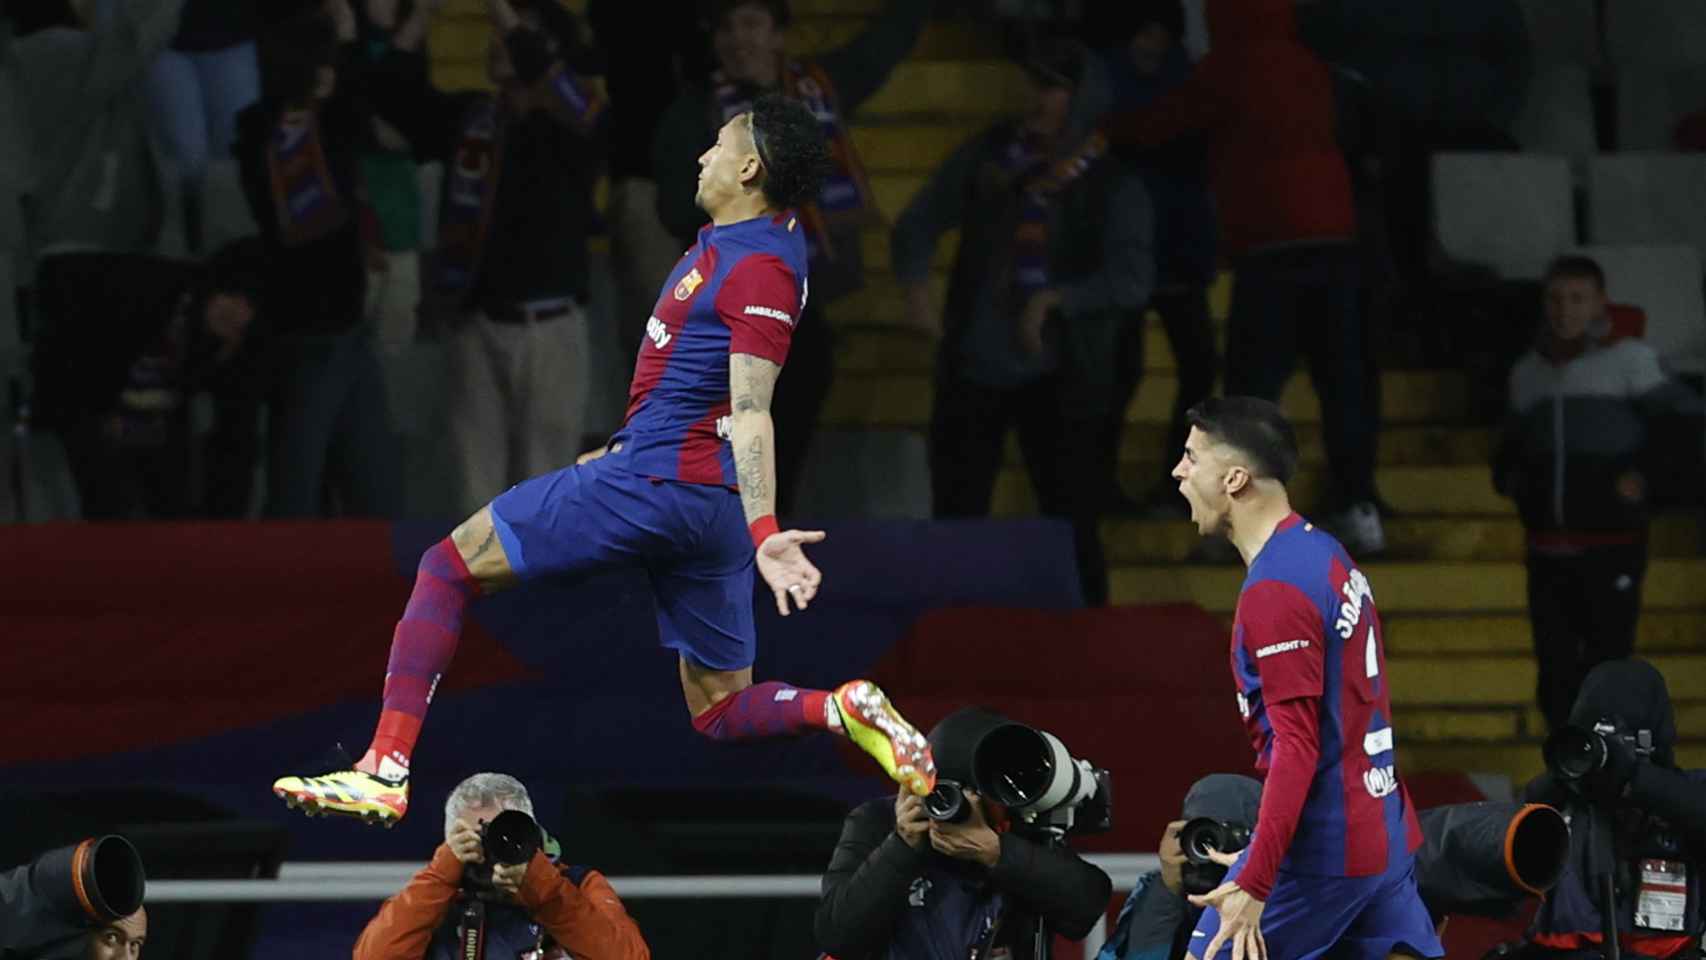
{"x":784,"y":566}
{"x":1240,"y":922}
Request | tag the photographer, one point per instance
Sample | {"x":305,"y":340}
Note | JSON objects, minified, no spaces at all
{"x":541,"y":907}
{"x":1638,"y":824}
{"x":1156,"y":921}
{"x":82,"y":902}
{"x":904,"y":885}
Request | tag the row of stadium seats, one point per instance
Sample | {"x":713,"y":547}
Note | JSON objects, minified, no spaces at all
{"x":1645,"y":219}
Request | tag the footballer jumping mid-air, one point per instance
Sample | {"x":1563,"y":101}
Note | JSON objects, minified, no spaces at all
{"x":686,"y":490}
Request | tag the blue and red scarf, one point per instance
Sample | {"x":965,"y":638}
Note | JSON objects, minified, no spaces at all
{"x":1040,"y":180}
{"x":845,"y":199}
{"x":305,"y":197}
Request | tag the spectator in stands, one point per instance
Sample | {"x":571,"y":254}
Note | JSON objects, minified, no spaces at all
{"x":196,"y":88}
{"x":517,"y":206}
{"x":1045,"y":269}
{"x":298,"y":150}
{"x":1288,"y":224}
{"x":645,"y":70}
{"x":94,"y":183}
{"x":1156,"y":921}
{"x":903,"y":885}
{"x":128,"y":342}
{"x":392,"y":184}
{"x":749,"y":38}
{"x":1144,"y":58}
{"x":545,"y":908}
{"x":120,"y":940}
{"x":1577,"y":453}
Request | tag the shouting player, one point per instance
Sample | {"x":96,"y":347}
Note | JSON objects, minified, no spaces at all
{"x":685,"y":490}
{"x":1330,"y":864}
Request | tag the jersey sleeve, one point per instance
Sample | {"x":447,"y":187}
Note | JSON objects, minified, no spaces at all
{"x":1284,"y":637}
{"x":760,"y":303}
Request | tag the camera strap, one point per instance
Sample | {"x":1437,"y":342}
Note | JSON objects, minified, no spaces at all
{"x":473,"y":931}
{"x":1661,"y":901}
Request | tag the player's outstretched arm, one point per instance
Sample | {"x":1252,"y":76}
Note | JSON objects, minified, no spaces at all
{"x":781,"y":562}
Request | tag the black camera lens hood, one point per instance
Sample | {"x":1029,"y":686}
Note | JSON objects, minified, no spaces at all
{"x":100,"y":879}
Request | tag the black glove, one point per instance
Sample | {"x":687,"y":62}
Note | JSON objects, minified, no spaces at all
{"x":1608,"y":783}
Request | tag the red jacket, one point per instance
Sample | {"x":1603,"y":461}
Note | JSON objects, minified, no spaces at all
{"x":1266,"y":103}
{"x":586,"y":919}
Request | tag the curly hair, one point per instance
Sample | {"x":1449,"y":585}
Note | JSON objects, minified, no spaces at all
{"x":790,"y":144}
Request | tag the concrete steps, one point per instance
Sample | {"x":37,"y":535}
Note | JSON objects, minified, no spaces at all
{"x":1478,"y":587}
{"x":904,"y":399}
{"x":1428,"y":536}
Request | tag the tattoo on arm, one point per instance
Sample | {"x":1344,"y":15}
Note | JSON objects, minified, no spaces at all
{"x":752,"y":380}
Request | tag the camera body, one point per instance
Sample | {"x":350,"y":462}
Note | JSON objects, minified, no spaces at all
{"x":1573,"y":753}
{"x":1200,"y":837}
{"x":509,"y":839}
{"x":1030,"y":772}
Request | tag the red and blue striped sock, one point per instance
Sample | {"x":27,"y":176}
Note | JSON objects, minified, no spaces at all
{"x":764,"y":710}
{"x":421,"y":648}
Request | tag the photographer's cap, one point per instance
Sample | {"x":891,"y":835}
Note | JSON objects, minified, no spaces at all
{"x":1227,"y":797}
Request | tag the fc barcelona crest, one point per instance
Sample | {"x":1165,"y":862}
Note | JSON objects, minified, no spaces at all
{"x":688,"y":284}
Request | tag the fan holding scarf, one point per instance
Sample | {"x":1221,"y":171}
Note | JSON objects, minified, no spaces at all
{"x":511,"y":258}
{"x":297,"y":149}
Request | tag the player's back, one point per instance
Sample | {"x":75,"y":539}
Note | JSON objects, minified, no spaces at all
{"x":1307,"y":626}
{"x":739,"y":289}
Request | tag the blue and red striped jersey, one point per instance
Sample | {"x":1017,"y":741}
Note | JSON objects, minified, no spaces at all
{"x":739,"y":289}
{"x":1306,"y":630}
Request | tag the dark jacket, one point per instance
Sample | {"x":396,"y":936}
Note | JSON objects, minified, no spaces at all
{"x":319,"y":287}
{"x":1575,"y":426}
{"x":1660,"y":813}
{"x":1101,"y":258}
{"x":536,"y":244}
{"x":856,"y":71}
{"x":881,"y":898}
{"x":574,"y":905}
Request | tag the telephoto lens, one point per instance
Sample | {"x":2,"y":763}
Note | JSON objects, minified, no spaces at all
{"x":1205,"y":835}
{"x":1574,"y":752}
{"x":947,"y":803}
{"x":511,"y":838}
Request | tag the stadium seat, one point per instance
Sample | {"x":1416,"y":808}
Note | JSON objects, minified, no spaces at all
{"x":1655,"y":33}
{"x":1651,"y":101}
{"x":865,"y":473}
{"x":225,"y":210}
{"x":1664,"y":281}
{"x":1506,"y":211}
{"x":1644,"y":198}
{"x":1557,"y":116}
{"x":1562,"y":31}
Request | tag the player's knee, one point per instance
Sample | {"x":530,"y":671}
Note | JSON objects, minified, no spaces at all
{"x":476,"y":541}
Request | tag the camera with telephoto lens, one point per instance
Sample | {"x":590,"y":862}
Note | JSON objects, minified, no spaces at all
{"x":1201,"y":837}
{"x":48,"y":906}
{"x":1573,"y":753}
{"x":1030,"y":772}
{"x":509,"y":839}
